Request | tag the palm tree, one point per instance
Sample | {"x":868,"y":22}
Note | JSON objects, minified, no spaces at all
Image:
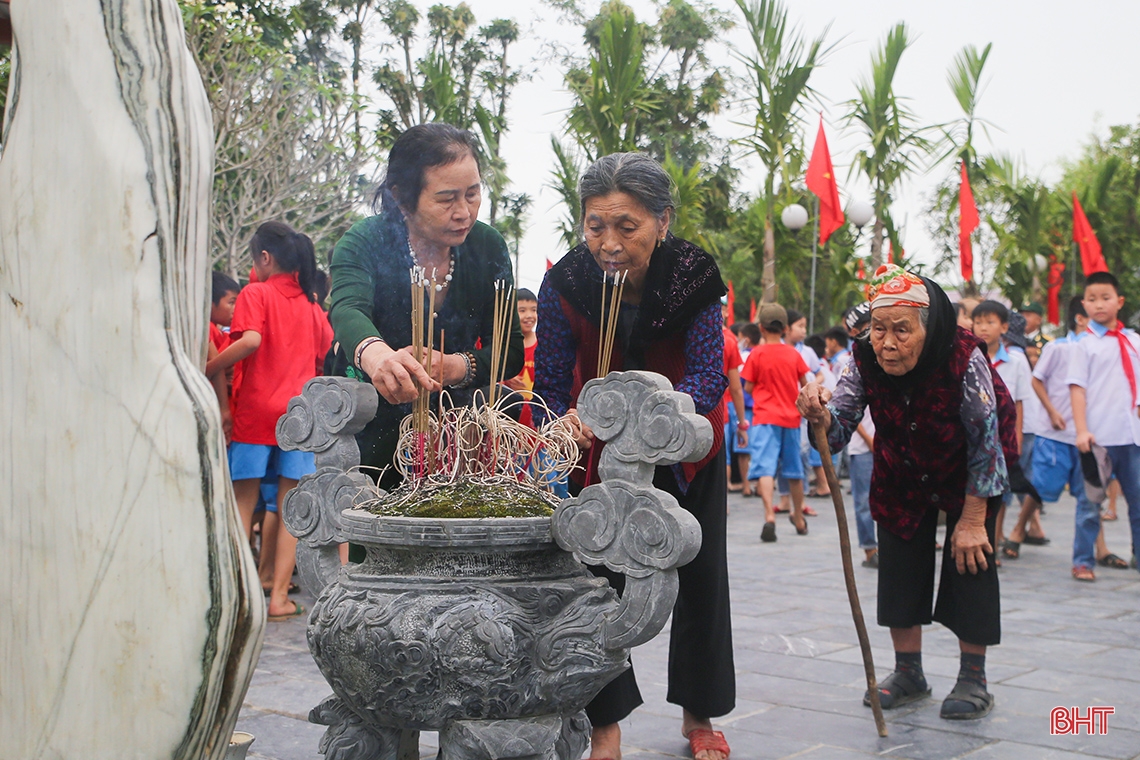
{"x":779,"y":67}
{"x":894,"y":144}
{"x":613,"y":98}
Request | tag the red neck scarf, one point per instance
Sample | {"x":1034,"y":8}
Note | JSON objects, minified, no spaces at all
{"x":1125,"y":359}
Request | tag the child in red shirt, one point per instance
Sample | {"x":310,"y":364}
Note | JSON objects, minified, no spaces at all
{"x":280,"y":335}
{"x":523,"y":382}
{"x":774,"y":374}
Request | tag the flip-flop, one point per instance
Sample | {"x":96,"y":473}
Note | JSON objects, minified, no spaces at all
{"x":768,"y":534}
{"x":967,"y":701}
{"x":1083,"y":574}
{"x":707,"y":740}
{"x":802,"y":532}
{"x":1111,"y":560}
{"x":1036,"y":541}
{"x":1011,"y":548}
{"x":298,"y":611}
{"x":293,"y":589}
{"x":811,"y":512}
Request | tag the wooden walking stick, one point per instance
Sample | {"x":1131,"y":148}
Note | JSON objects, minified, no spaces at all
{"x":849,"y":575}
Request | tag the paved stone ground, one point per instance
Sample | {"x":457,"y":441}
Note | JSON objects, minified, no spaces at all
{"x":800,"y":677}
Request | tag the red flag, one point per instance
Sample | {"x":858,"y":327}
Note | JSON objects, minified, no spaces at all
{"x":821,"y":181}
{"x":890,"y":252}
{"x":731,"y":303}
{"x":862,"y":272}
{"x":1092,"y":260}
{"x":1056,"y":278}
{"x":549,"y":265}
{"x":752,"y":313}
{"x":967,"y":223}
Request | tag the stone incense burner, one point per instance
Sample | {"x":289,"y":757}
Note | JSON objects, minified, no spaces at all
{"x":490,"y":631}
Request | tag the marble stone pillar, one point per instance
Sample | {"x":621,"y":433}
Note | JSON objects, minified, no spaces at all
{"x":130,"y":610}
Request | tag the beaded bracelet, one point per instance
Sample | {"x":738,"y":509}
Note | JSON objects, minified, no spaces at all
{"x":364,"y":344}
{"x":469,"y":372}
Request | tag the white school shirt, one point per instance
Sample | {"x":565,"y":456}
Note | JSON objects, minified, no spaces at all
{"x":810,"y":359}
{"x":1035,"y":418}
{"x":1014,"y":370}
{"x":1053,"y":370}
{"x":1095,"y":365}
{"x":857,"y":444}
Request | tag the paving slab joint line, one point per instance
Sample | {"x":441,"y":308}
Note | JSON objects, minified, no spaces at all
{"x":718,"y":722}
{"x":271,"y":711}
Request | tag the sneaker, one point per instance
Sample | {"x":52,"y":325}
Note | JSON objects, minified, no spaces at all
{"x":872,"y":561}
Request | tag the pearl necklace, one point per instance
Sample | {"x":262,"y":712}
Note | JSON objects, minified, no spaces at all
{"x":439,"y":284}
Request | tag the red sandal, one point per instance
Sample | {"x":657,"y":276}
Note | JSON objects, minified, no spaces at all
{"x":706,"y":740}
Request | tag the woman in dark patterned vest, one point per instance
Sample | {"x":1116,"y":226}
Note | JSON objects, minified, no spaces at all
{"x":943,"y":433}
{"x":669,"y":322}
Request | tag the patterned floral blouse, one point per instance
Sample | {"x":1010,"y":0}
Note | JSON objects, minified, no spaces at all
{"x":987,"y":473}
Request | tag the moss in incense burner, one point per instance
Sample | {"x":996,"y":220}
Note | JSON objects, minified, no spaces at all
{"x":466,"y":498}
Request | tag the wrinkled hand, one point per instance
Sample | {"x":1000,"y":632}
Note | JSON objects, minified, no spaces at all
{"x":1085,"y":441}
{"x":396,"y":374}
{"x":583,"y":436}
{"x":969,"y":546}
{"x":812,"y":404}
{"x":1056,"y":420}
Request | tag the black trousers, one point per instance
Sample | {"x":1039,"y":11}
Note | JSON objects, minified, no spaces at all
{"x":969,"y":605}
{"x":702,"y":676}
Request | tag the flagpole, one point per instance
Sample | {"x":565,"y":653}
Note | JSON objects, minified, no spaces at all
{"x":814,"y":242}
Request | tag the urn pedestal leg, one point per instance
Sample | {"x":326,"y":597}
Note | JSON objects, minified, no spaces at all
{"x":348,"y":738}
{"x":550,"y":737}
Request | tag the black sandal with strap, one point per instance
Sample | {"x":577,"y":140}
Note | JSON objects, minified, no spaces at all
{"x":897,"y":689}
{"x":969,"y":700}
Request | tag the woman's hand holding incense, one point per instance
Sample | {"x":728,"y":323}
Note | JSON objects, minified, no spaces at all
{"x":396,"y":374}
{"x":583,"y":436}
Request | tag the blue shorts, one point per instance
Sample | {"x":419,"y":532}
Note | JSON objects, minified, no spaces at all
{"x":252,"y":460}
{"x":1055,"y":465}
{"x":773,"y":449}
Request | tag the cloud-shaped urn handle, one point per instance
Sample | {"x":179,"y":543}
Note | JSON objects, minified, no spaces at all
{"x":325,"y":419}
{"x":624,"y":522}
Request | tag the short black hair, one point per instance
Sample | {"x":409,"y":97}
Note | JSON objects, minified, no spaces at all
{"x":815,"y":343}
{"x":961,"y":309}
{"x":415,"y":151}
{"x":222,"y":284}
{"x":1103,"y":278}
{"x":774,"y":327}
{"x":793,"y":317}
{"x":996,"y":308}
{"x":751,"y":330}
{"x":1076,"y":309}
{"x":837,"y":334}
{"x":522,"y":294}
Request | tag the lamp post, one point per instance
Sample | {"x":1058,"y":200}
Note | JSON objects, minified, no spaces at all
{"x":860,"y":213}
{"x":795,"y":217}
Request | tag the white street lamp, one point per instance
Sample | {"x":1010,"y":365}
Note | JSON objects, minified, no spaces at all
{"x":860,"y":212}
{"x":794,"y":216}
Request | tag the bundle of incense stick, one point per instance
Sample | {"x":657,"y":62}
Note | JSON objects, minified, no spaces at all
{"x":501,"y":334}
{"x":422,"y":344}
{"x":608,"y":321}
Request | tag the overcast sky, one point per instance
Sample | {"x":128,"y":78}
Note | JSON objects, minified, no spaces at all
{"x":1058,"y":72}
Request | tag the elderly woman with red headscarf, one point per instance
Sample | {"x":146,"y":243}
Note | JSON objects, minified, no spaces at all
{"x":943,"y":433}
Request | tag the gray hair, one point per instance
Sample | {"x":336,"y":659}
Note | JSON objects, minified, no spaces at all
{"x":923,"y":314}
{"x":635,"y":174}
